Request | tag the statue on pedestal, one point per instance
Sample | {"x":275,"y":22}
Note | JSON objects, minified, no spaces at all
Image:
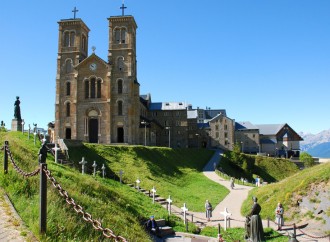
{"x":253,"y":224}
{"x":17,"y":110}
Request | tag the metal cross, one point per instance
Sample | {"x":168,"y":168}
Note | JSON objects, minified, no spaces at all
{"x":123,"y":8}
{"x":83,"y":162}
{"x":226,"y":215}
{"x":94,"y":166}
{"x":138,"y":184}
{"x":153,"y":194}
{"x":75,"y":10}
{"x":93,"y":49}
{"x":184,"y":209}
{"x":169,"y":201}
{"x":121,"y":172}
{"x":103,"y":170}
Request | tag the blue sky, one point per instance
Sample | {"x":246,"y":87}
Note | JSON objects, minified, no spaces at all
{"x":264,"y":61}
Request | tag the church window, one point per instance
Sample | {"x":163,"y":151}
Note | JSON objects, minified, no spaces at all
{"x":84,"y":43}
{"x":68,"y":109}
{"x":120,"y":86}
{"x":93,"y":88}
{"x":166,"y":123}
{"x":66,"y":39}
{"x":87,"y":89}
{"x":120,"y":108}
{"x":72,"y":38}
{"x":98,"y":94}
{"x":68,"y":88}
{"x":68,"y":66}
{"x":123,"y":36}
{"x":117,"y":36}
{"x":121,"y":63}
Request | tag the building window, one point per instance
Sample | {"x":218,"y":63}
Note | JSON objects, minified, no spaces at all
{"x":117,"y":36}
{"x":217,"y":127}
{"x":87,"y":89}
{"x":120,"y":108}
{"x":166,"y":123}
{"x":98,"y":94}
{"x":68,"y":88}
{"x":177,"y":113}
{"x":178,"y":123}
{"x":120,"y":36}
{"x":93,"y":88}
{"x":68,"y":66}
{"x":226,"y":127}
{"x":120,"y":86}
{"x":123,"y":36}
{"x":121,"y":64}
{"x":226,"y":135}
{"x":68,"y":109}
{"x":66,"y":39}
{"x":84,"y":43}
{"x":72,"y":38}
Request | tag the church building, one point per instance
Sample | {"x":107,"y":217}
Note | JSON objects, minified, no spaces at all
{"x":97,"y":101}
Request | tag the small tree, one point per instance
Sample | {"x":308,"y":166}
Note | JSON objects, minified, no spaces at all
{"x":307,"y":159}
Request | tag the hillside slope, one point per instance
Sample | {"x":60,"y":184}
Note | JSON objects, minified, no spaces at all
{"x":303,"y":196}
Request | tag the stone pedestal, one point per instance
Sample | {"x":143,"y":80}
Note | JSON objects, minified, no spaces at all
{"x":16,"y":125}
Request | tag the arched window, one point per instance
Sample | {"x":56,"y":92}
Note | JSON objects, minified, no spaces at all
{"x":68,"y":109}
{"x":121,"y":64}
{"x":68,"y":87}
{"x":72,"y":38}
{"x":120,"y":86}
{"x":87,"y":89}
{"x":93,"y":88}
{"x":117,"y":36}
{"x":84,"y":43}
{"x":66,"y":39}
{"x":68,"y":66}
{"x":120,"y":108}
{"x":98,"y":95}
{"x":123,"y":36}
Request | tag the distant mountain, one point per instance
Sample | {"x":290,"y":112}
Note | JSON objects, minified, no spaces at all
{"x":317,"y":145}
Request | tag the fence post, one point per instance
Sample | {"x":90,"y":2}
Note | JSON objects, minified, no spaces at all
{"x":192,"y":218}
{"x":5,"y":157}
{"x":186,"y":225}
{"x":43,"y":198}
{"x":267,"y":222}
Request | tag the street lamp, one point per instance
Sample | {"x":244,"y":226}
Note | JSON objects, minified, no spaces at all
{"x":169,"y":136}
{"x":145,"y":132}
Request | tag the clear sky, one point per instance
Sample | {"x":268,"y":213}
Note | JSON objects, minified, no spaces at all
{"x":264,"y":61}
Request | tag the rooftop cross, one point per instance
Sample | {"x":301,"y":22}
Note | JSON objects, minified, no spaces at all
{"x":123,"y":8}
{"x":75,"y":10}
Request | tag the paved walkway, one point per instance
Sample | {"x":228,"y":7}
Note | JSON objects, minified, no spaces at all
{"x":11,"y":226}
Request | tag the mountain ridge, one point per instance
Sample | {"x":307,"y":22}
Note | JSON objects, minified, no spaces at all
{"x":317,"y":145}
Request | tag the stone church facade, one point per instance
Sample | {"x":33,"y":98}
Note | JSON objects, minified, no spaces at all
{"x":97,"y":101}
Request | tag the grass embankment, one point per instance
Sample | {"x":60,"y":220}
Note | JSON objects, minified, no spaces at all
{"x":288,"y":191}
{"x":117,"y":206}
{"x":269,"y":169}
{"x":172,"y":172}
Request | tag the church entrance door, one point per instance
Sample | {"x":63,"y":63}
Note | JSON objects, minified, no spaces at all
{"x":93,"y":130}
{"x":68,"y":133}
{"x":120,"y":135}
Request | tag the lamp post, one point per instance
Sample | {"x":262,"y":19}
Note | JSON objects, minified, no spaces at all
{"x":242,"y":146}
{"x":35,"y":134}
{"x":169,"y":136}
{"x":145,"y":132}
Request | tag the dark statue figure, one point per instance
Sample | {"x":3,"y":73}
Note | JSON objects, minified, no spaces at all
{"x":43,"y":152}
{"x":253,"y":224}
{"x":17,"y":110}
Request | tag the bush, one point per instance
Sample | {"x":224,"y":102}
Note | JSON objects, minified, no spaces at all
{"x":307,"y":159}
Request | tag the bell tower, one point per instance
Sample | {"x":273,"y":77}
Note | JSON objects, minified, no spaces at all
{"x":72,"y":49}
{"x":125,"y":94}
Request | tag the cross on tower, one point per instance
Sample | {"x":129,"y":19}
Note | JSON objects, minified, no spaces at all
{"x":123,"y":9}
{"x":75,"y":10}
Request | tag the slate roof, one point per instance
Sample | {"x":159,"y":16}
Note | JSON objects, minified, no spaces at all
{"x":203,"y":125}
{"x":211,"y":113}
{"x":168,"y":106}
{"x":268,"y":141}
{"x":269,"y":129}
{"x":244,"y":125}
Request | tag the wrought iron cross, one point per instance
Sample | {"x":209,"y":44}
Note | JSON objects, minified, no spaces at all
{"x":75,"y":10}
{"x":123,"y":9}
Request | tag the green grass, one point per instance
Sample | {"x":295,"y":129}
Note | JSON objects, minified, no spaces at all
{"x":287,"y":191}
{"x":117,"y":206}
{"x":172,"y":172}
{"x":238,"y":234}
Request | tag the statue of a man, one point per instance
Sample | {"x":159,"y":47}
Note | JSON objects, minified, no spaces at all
{"x":17,"y":110}
{"x":253,"y":224}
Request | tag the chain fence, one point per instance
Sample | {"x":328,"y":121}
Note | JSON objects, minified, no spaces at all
{"x":97,"y":225}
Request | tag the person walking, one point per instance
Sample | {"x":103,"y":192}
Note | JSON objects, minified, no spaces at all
{"x":208,"y":210}
{"x":279,"y":211}
{"x":232,"y":184}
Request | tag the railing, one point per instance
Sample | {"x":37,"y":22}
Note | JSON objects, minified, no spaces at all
{"x":44,"y":175}
{"x":63,"y":147}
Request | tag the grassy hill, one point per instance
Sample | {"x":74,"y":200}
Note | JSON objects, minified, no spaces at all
{"x":117,"y":206}
{"x":310,"y":185}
